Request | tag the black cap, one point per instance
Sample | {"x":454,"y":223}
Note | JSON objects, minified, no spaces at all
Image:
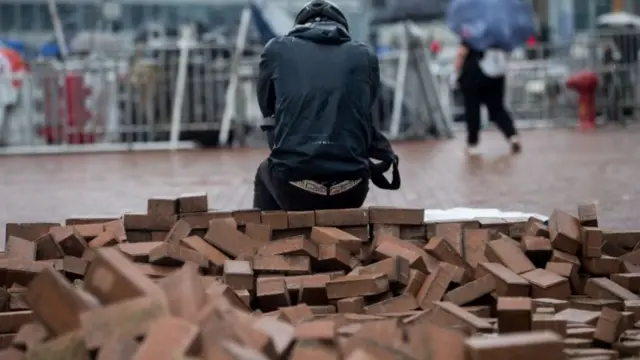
{"x":323,"y":9}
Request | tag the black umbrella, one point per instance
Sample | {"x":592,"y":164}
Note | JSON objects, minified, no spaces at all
{"x":414,"y":10}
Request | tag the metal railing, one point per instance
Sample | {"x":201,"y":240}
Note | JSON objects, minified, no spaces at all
{"x":120,"y":103}
{"x":127,"y":102}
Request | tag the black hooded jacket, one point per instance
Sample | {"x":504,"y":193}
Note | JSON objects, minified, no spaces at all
{"x":318,"y":87}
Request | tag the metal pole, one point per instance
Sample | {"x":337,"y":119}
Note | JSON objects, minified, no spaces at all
{"x":399,"y":88}
{"x":57,"y":28}
{"x":184,"y":44}
{"x":230,"y":96}
{"x":592,"y":33}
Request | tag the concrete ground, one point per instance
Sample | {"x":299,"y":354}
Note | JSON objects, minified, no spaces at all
{"x":558,"y":168}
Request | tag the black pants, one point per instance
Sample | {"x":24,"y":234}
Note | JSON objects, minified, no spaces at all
{"x":481,"y":89}
{"x":272,"y":191}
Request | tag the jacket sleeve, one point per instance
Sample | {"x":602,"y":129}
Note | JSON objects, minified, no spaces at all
{"x":266,"y":92}
{"x":379,"y":148}
{"x":265,"y":88}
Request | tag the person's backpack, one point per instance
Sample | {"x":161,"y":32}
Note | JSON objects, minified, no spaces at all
{"x":494,"y":63}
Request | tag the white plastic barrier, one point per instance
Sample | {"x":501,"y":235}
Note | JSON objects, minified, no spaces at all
{"x":466,"y":214}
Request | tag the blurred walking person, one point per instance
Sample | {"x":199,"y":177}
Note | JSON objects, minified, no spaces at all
{"x":318,"y":87}
{"x":482,"y":81}
{"x":481,"y":65}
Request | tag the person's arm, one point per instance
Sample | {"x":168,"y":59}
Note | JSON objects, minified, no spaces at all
{"x":266,"y":91}
{"x":460,"y":56}
{"x":380,"y":147}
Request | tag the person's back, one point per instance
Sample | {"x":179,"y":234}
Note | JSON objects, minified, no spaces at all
{"x":318,"y":87}
{"x":324,"y":89}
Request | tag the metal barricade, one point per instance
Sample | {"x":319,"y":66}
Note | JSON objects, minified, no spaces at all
{"x":150,"y":91}
{"x":537,"y":87}
{"x":125,"y":103}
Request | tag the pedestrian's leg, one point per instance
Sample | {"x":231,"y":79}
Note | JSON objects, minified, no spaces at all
{"x":472,"y":118}
{"x":263,"y":197}
{"x":498,"y":114}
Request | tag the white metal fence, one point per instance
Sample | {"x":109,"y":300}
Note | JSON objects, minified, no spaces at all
{"x":106,"y":104}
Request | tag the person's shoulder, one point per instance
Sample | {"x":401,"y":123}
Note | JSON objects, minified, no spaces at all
{"x":275,"y":42}
{"x":361,"y":49}
{"x":360,"y":46}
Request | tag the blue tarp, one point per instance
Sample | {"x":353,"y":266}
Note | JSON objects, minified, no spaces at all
{"x":270,"y":20}
{"x":504,"y":24}
{"x":50,"y":49}
{"x":261,"y":25}
{"x":16,"y":45}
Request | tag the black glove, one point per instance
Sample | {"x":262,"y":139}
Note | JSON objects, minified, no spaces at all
{"x":381,"y":167}
{"x":377,"y":174}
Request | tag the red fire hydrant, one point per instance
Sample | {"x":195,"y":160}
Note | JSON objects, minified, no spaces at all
{"x":586,"y":84}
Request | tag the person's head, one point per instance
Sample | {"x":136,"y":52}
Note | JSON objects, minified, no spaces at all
{"x":321,"y":10}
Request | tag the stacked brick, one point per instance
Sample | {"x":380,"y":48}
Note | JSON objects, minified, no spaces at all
{"x":184,"y":282}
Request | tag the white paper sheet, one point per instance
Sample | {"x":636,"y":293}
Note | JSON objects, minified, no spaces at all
{"x":460,"y":214}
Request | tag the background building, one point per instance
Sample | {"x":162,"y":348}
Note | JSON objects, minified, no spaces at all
{"x":29,"y":19}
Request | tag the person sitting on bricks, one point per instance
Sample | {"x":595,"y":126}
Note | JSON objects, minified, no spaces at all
{"x":316,"y":90}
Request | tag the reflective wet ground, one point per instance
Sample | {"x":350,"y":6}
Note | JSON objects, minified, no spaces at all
{"x":558,"y":168}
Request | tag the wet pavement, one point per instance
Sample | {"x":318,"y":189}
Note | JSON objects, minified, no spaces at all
{"x":558,"y":168}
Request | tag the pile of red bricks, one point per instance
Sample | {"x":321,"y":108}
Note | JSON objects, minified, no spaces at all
{"x":185,"y":282}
